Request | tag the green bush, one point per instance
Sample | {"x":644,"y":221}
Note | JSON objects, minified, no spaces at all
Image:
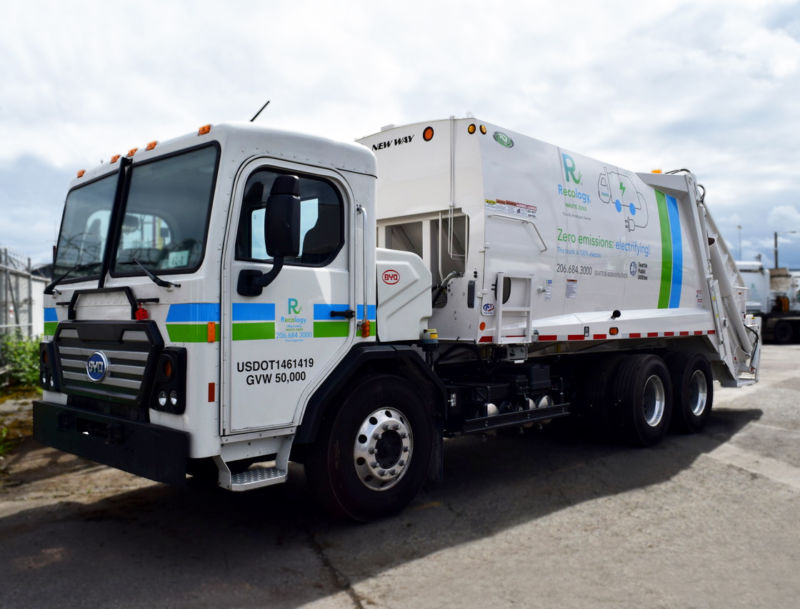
{"x":22,"y":357}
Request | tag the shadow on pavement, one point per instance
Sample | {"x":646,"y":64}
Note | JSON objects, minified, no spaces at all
{"x":189,"y":547}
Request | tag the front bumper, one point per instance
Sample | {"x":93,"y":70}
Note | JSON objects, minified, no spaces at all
{"x":147,"y":450}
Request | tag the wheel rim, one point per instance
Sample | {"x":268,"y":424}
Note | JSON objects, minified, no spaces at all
{"x":382,"y":449}
{"x":698,"y":393}
{"x":654,"y":400}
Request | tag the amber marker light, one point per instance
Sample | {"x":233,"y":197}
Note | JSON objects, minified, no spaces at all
{"x":427,"y":134}
{"x":483,"y":129}
{"x":471,"y":129}
{"x":204,"y":130}
{"x":131,"y":152}
{"x":81,"y":173}
{"x":656,"y":171}
{"x":114,"y":159}
{"x":613,"y":331}
{"x":168,"y":369}
{"x":151,"y":145}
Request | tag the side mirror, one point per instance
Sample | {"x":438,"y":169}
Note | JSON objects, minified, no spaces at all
{"x":281,"y":232}
{"x":282,"y":217}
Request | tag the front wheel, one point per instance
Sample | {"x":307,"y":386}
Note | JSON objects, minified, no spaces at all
{"x":372,"y":458}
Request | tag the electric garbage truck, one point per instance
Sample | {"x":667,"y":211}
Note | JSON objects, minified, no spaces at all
{"x":240,"y":297}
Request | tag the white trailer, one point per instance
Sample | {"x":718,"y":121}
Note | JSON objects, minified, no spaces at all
{"x":221,"y":305}
{"x":774,"y":296}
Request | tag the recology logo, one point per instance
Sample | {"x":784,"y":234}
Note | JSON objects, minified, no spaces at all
{"x":578,"y":198}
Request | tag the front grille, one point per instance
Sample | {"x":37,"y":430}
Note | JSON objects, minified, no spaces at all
{"x":128,"y":348}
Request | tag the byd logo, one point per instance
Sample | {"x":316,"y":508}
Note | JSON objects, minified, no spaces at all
{"x":97,"y":366}
{"x":391,"y":277}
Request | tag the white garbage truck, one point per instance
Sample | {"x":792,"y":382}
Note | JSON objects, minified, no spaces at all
{"x":239,"y":297}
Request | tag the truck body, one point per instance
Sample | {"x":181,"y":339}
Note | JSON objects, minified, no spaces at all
{"x":774,"y":296}
{"x":233,"y":299}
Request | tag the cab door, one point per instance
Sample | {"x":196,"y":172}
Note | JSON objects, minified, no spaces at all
{"x":278,"y":346}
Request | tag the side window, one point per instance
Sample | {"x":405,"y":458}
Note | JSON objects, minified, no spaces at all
{"x":321,"y":220}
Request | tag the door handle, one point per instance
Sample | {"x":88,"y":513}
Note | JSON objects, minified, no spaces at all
{"x":348,"y":314}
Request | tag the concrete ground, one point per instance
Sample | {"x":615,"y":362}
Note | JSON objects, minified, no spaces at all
{"x":711,"y":520}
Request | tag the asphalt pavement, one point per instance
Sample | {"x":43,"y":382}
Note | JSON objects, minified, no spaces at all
{"x":534,"y":520}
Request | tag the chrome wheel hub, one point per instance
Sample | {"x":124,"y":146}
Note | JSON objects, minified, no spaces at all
{"x":654,"y":400}
{"x":382,"y":449}
{"x":698,"y":393}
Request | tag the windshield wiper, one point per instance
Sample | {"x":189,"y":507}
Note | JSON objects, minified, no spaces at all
{"x":153,"y":277}
{"x":78,"y":267}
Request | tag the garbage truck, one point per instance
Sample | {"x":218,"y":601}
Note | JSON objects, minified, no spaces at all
{"x":241,"y":297}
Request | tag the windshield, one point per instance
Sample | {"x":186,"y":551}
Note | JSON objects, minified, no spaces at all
{"x":163,"y":222}
{"x":84,"y":229}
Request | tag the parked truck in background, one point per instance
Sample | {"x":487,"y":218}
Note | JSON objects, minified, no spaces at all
{"x":238,"y":297}
{"x":774,"y":296}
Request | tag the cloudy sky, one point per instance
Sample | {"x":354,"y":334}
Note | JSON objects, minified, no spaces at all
{"x":712,"y":86}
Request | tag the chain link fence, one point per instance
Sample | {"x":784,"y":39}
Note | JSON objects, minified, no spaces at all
{"x":21,"y":297}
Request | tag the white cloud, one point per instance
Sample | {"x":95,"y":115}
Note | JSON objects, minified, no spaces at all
{"x":707,"y":85}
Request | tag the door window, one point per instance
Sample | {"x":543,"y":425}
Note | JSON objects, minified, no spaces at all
{"x":321,"y":220}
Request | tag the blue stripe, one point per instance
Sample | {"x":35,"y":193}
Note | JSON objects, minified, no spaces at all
{"x":193,"y":312}
{"x":253,"y":311}
{"x":50,"y":314}
{"x":677,"y":253}
{"x":322,"y":312}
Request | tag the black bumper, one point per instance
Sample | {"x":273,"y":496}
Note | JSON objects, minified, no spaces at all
{"x":147,"y":450}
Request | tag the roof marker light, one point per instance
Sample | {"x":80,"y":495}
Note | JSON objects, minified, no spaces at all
{"x":114,"y":159}
{"x":81,"y":173}
{"x":205,"y":129}
{"x":131,"y":152}
{"x":427,"y":134}
{"x":152,"y":145}
{"x":483,"y":129}
{"x":471,"y":128}
{"x":656,"y":171}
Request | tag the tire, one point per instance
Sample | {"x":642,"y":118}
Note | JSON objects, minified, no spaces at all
{"x":383,"y":419}
{"x":642,"y":399}
{"x":783,"y":332}
{"x":692,"y":390}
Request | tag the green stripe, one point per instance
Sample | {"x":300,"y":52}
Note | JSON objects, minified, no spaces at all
{"x":331,"y":329}
{"x":190,"y":333}
{"x":254,"y":331}
{"x":666,"y":251}
{"x":50,"y":328}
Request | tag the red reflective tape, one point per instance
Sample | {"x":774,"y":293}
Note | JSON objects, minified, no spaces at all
{"x":635,"y":335}
{"x":669,"y":333}
{"x":712,"y":331}
{"x":485,"y":339}
{"x":575,"y":337}
{"x":684,"y":333}
{"x":698,"y":333}
{"x":599,"y":337}
{"x":548,"y":337}
{"x":652,"y":334}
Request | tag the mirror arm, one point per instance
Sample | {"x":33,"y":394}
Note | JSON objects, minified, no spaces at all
{"x":251,"y":282}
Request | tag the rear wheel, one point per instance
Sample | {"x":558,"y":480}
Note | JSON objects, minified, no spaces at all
{"x":642,"y":399}
{"x":373,"y":457}
{"x":693,"y":390}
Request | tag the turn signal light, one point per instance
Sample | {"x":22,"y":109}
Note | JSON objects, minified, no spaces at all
{"x":204,"y":130}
